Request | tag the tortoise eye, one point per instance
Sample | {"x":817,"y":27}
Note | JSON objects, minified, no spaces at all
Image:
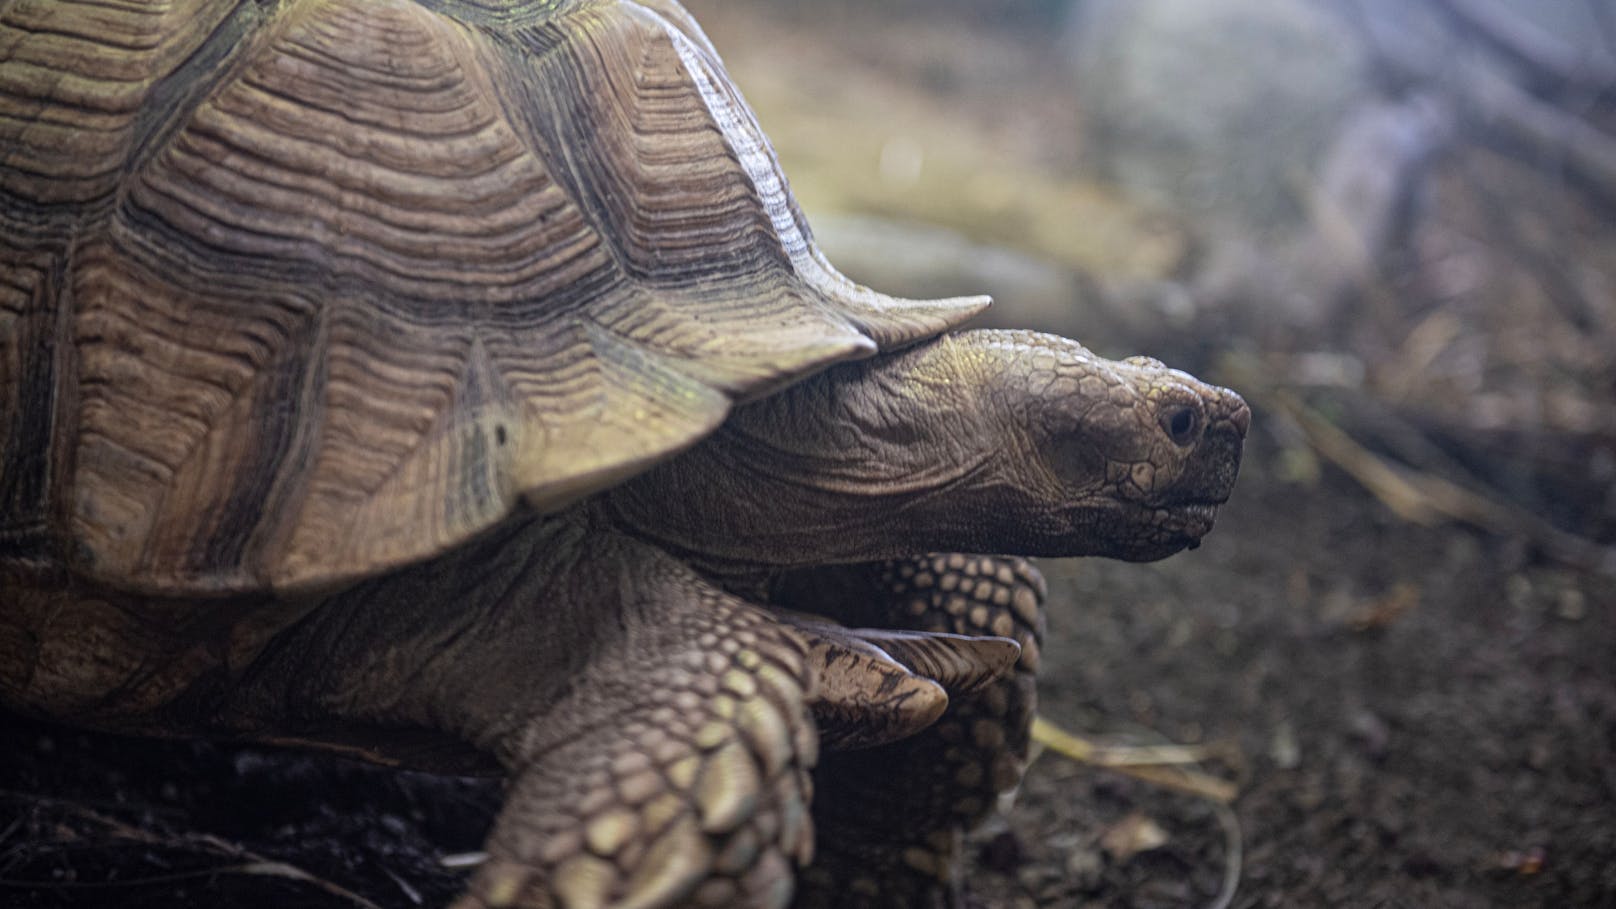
{"x":1180,"y":423}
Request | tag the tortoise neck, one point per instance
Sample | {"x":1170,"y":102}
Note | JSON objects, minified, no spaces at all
{"x":868,"y":460}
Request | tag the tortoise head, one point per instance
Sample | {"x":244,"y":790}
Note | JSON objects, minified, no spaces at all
{"x":1127,"y":459}
{"x":978,"y":441}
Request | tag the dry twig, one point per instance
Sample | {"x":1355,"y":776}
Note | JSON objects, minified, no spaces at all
{"x":1544,"y":54}
{"x":1161,"y":765}
{"x":1421,"y":497}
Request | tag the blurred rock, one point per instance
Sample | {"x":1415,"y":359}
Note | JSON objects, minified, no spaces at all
{"x":1212,"y":107}
{"x":1130,"y":836}
{"x":917,"y":260}
{"x":1283,"y":748}
{"x":1371,"y":733}
{"x":910,"y":259}
{"x":1256,"y":122}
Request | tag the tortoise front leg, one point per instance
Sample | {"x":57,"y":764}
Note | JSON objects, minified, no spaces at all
{"x":688,"y":786}
{"x":890,"y":820}
{"x":658,"y":732}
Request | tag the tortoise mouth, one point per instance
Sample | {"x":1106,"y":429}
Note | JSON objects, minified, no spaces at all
{"x":1176,"y":526}
{"x":1193,"y":520}
{"x":1147,"y":531}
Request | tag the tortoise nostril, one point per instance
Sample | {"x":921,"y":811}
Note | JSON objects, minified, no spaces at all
{"x":1180,"y":423}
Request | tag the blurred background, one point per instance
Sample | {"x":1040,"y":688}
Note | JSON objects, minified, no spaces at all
{"x":1391,"y":224}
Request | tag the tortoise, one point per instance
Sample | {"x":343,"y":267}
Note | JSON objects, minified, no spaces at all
{"x":457,"y":385}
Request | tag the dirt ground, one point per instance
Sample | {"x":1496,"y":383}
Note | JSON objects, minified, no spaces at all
{"x":1414,"y":715}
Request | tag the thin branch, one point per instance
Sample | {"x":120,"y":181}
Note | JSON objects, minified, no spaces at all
{"x":1545,"y":55}
{"x":1159,"y":766}
{"x":1496,"y":107}
{"x":1516,"y":116}
{"x":1421,"y":497}
{"x":1234,"y":855}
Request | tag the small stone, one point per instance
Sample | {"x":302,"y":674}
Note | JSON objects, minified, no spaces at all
{"x":1518,"y":590}
{"x":1084,"y":868}
{"x":1571,"y":605}
{"x":1283,"y":747}
{"x":1132,"y":835}
{"x":1372,"y":733}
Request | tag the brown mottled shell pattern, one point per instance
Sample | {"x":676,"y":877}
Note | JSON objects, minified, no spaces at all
{"x":297,"y":292}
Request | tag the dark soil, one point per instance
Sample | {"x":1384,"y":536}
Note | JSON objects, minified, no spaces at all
{"x":1426,"y":717}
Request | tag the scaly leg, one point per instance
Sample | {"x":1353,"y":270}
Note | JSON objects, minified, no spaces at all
{"x":657,"y":731}
{"x":890,"y":820}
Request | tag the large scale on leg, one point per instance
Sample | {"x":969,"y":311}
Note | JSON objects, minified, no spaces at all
{"x":412,"y":379}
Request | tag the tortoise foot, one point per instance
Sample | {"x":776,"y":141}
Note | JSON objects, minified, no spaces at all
{"x":890,"y":820}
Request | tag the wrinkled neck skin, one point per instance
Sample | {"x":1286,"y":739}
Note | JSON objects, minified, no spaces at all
{"x":980,"y":441}
{"x":843,"y":467}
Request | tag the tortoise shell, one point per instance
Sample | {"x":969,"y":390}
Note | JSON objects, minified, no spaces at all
{"x":293,"y":293}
